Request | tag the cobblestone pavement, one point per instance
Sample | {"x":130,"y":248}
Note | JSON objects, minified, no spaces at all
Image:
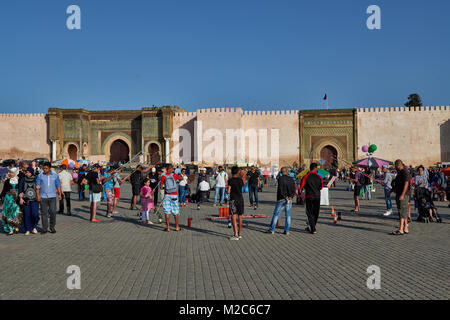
{"x":121,"y":259}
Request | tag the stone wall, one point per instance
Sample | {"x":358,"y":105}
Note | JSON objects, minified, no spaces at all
{"x":252,"y":136}
{"x":416,"y":135}
{"x":24,"y":136}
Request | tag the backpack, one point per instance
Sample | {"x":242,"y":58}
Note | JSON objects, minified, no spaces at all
{"x":170,"y":185}
{"x":29,"y":189}
{"x":362,"y":179}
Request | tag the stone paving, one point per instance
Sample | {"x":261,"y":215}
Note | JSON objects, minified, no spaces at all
{"x":121,"y":259}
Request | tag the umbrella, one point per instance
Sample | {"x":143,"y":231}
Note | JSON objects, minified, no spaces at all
{"x":323,"y":173}
{"x":303,"y":173}
{"x":372,"y":163}
{"x":68,"y":162}
{"x":320,"y":172}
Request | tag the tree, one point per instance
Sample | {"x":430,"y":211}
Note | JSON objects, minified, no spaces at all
{"x":414,"y":100}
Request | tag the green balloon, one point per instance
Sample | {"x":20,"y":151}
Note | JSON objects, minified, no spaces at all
{"x":86,"y":186}
{"x":372,"y":148}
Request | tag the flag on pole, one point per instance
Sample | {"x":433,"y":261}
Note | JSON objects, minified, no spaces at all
{"x":325,"y":97}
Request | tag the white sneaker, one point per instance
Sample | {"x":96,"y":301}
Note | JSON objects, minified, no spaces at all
{"x":387,"y":213}
{"x":34,"y":231}
{"x":234,"y":238}
{"x":27,"y":233}
{"x":240,"y":237}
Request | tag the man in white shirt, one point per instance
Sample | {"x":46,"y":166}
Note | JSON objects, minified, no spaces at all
{"x":221,"y":183}
{"x":66,"y":180}
{"x":203,"y":189}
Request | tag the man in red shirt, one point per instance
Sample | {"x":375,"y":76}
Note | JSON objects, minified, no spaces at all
{"x":312,"y":183}
{"x":170,"y":202}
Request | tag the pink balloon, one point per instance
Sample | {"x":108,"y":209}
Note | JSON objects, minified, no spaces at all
{"x":74,"y":175}
{"x":365,"y":148}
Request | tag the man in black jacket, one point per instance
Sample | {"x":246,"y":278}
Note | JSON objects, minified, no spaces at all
{"x":312,"y":183}
{"x":285,"y":193}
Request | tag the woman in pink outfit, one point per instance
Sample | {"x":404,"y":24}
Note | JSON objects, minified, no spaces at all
{"x":146,"y":201}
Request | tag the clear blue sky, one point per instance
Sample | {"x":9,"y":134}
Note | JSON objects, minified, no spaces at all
{"x":256,"y":54}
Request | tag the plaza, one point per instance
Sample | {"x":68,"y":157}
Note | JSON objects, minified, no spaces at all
{"x":121,"y":259}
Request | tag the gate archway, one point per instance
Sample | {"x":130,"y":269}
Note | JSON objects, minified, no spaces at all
{"x":119,"y":151}
{"x":72,"y":150}
{"x":330,"y":155}
{"x":155,"y":153}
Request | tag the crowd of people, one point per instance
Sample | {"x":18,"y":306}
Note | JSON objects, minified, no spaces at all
{"x":36,"y":192}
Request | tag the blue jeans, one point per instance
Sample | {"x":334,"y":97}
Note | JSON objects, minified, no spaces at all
{"x":221,"y":191}
{"x":366,"y":192}
{"x":182,"y":193}
{"x":30,"y":215}
{"x":278,"y":208}
{"x":253,"y":190}
{"x":388,"y":200}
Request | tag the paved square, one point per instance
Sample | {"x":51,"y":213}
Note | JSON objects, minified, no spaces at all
{"x":121,"y":259}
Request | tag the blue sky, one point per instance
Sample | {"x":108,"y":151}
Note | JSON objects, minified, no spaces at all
{"x":254,"y":54}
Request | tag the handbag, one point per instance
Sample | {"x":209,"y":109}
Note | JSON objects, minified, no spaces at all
{"x":97,"y":188}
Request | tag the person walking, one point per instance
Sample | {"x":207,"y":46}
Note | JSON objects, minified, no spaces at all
{"x":285,"y":194}
{"x":11,"y":215}
{"x":146,"y":201}
{"x":402,"y":192}
{"x":312,"y":183}
{"x":48,"y":187}
{"x":234,"y":189}
{"x":387,"y":185}
{"x":253,"y":183}
{"x":221,"y":183}
{"x":170,"y":202}
{"x":28,"y":200}
{"x":66,"y":186}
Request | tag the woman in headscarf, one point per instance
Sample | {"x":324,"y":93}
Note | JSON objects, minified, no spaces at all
{"x":11,"y":215}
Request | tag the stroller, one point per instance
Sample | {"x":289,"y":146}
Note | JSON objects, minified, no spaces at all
{"x":425,"y":203}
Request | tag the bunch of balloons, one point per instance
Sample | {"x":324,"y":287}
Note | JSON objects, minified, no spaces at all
{"x":369,"y":149}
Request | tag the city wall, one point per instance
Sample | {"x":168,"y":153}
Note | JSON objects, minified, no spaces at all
{"x":417,"y":136}
{"x":24,"y":136}
{"x":265,"y":135}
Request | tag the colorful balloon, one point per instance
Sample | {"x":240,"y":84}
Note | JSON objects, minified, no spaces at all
{"x":365,"y":148}
{"x":372,"y":148}
{"x":71,"y":165}
{"x":74,"y":175}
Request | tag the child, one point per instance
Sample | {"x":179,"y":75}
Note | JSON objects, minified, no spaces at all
{"x":108,"y":184}
{"x":234,"y":189}
{"x":428,"y":208}
{"x":146,"y":201}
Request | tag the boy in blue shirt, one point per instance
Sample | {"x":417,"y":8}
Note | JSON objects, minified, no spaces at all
{"x":108,"y":184}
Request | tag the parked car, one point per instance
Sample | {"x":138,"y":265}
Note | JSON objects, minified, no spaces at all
{"x":9,"y":163}
{"x":40,"y":161}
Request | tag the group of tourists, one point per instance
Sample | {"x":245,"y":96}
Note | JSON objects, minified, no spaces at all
{"x":32,"y":192}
